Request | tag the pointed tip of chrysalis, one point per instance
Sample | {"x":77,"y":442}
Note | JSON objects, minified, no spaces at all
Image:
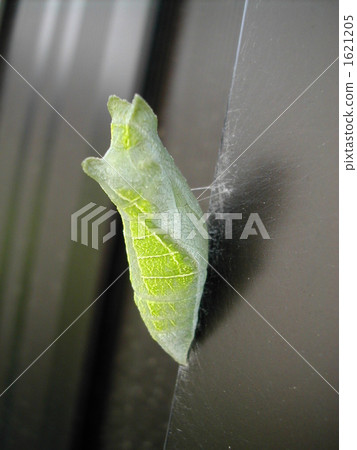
{"x":123,"y":112}
{"x":118,"y":108}
{"x":182,"y":359}
{"x":177,"y":347}
{"x":143,"y":109}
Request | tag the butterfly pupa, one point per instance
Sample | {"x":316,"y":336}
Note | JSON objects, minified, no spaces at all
{"x":167,"y":268}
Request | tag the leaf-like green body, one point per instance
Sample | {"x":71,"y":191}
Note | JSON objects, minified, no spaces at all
{"x":167,"y":271}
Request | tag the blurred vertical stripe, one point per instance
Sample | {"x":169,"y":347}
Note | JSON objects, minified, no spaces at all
{"x":75,"y":54}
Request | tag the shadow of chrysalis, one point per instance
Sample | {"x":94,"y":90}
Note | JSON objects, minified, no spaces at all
{"x":262,"y":190}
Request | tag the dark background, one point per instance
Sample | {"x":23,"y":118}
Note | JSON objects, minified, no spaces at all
{"x":105,"y":384}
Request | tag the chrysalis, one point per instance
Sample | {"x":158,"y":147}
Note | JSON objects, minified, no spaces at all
{"x":167,"y":257}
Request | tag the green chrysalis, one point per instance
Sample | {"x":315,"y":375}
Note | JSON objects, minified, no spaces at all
{"x":167,"y":268}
